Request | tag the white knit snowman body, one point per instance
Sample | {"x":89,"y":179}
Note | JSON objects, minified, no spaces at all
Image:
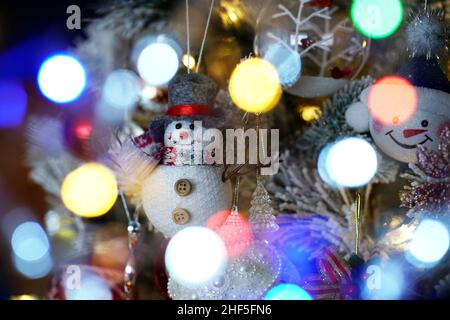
{"x":165,"y":208}
{"x":179,"y":192}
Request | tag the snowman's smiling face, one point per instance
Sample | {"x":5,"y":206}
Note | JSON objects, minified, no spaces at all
{"x":410,"y":133}
{"x":400,"y":141}
{"x":179,"y":133}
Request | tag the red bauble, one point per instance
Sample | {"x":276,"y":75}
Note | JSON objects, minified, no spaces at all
{"x":77,"y":137}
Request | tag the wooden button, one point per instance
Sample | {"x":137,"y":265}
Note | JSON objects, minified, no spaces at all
{"x":180,"y":216}
{"x":183,"y":187}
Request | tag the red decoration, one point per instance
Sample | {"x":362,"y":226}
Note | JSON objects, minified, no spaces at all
{"x":306,"y":42}
{"x":334,"y":281}
{"x":189,"y":110}
{"x":77,"y":137}
{"x":338,"y":73}
{"x":321,"y":3}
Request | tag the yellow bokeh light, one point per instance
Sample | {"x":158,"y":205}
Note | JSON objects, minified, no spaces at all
{"x":24,"y":297}
{"x":255,"y":86}
{"x":188,"y":61}
{"x":310,"y":113}
{"x":233,"y":16}
{"x":89,"y":191}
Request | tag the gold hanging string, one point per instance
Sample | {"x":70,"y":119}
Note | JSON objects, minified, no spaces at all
{"x":357,"y":221}
{"x":258,"y":165}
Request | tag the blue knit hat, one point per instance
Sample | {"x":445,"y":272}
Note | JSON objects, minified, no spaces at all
{"x":425,"y":73}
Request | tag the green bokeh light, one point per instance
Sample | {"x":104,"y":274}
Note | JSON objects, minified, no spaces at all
{"x":377,"y":18}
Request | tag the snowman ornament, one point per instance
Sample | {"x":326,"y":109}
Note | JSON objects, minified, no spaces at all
{"x":399,"y":139}
{"x":175,"y":186}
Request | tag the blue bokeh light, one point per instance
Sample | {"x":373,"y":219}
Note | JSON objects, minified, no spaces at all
{"x":13,"y":104}
{"x":287,"y":62}
{"x":287,"y":291}
{"x":62,"y":78}
{"x":384,"y":281}
{"x":29,"y":241}
{"x":34,"y":269}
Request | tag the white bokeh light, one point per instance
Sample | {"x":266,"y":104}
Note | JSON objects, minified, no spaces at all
{"x":321,"y":165}
{"x":158,"y":63}
{"x":195,"y":256}
{"x":62,"y":78}
{"x":122,"y":89}
{"x":351,"y":162}
{"x":91,"y":287}
{"x":429,"y":243}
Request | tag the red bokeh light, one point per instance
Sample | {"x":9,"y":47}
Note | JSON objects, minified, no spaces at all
{"x":233,"y":229}
{"x":392,"y":100}
{"x":83,"y":130}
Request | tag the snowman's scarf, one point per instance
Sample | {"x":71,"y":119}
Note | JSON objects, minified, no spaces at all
{"x":132,"y":162}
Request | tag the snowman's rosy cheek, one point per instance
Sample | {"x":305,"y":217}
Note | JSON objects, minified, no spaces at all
{"x":377,"y":127}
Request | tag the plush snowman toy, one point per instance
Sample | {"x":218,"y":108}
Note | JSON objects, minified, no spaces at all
{"x":170,"y":178}
{"x":400,"y":140}
{"x":402,"y":127}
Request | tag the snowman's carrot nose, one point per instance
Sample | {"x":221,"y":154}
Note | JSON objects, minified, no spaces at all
{"x":184,"y":135}
{"x":412,"y":132}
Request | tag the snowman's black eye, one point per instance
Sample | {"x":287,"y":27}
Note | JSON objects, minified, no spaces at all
{"x":191,"y":126}
{"x":178,"y":126}
{"x":424,"y":123}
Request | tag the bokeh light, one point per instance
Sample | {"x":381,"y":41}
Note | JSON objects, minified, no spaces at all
{"x":234,"y":230}
{"x":62,"y":78}
{"x":310,"y":113}
{"x":286,"y":61}
{"x":89,"y":191}
{"x":383,"y":282}
{"x":159,"y":60}
{"x":188,"y":61}
{"x":392,"y":100}
{"x":429,"y":243}
{"x":29,"y":241}
{"x":24,"y":297}
{"x":196,"y":256}
{"x":13,"y":104}
{"x":122,"y":89}
{"x":30,"y":246}
{"x":149,"y":92}
{"x":377,"y":19}
{"x":287,"y":291}
{"x":350,"y":162}
{"x":34,"y":269}
{"x":91,"y":286}
{"x":255,"y":86}
{"x":322,"y":165}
